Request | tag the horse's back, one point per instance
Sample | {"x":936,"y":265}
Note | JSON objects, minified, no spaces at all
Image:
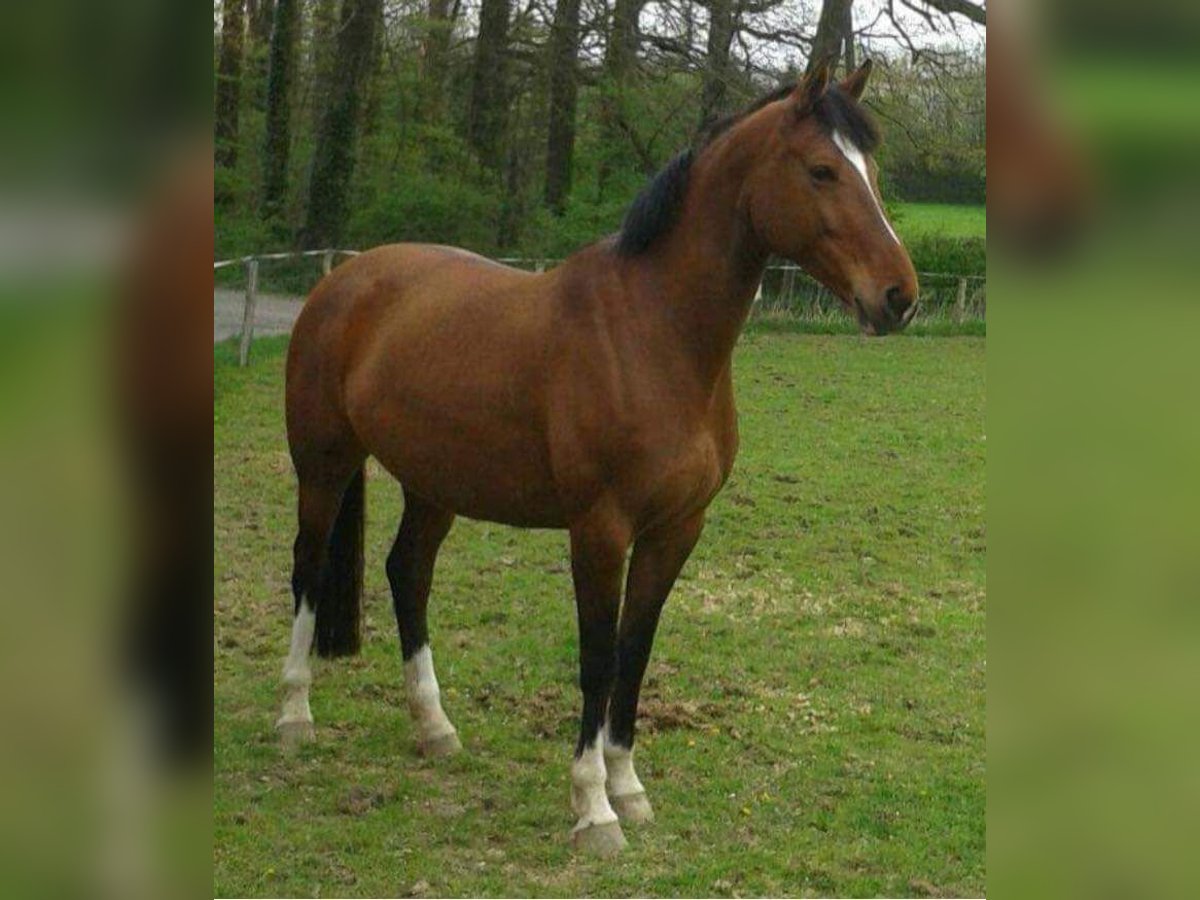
{"x":397,"y":288}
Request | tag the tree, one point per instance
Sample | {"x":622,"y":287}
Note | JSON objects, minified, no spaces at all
{"x":564,"y":89}
{"x":620,"y":60}
{"x":321,"y":53}
{"x":976,"y":12}
{"x":716,"y":60}
{"x":834,"y":31}
{"x":260,"y":15}
{"x":229,"y":82}
{"x":488,"y":117}
{"x":337,"y":137}
{"x":435,"y":50}
{"x":280,"y":74}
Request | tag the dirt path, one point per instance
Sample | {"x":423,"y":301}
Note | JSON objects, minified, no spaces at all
{"x":273,"y":314}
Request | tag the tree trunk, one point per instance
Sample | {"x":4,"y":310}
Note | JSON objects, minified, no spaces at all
{"x":322,"y":54}
{"x":714,"y":91}
{"x":489,"y":87}
{"x":229,"y":82}
{"x":337,"y":138}
{"x":848,"y":52}
{"x":435,"y":49}
{"x":261,"y":14}
{"x":512,"y":212}
{"x":280,"y":76}
{"x":831,"y":32}
{"x":374,"y":84}
{"x":564,"y":89}
{"x":620,"y":58}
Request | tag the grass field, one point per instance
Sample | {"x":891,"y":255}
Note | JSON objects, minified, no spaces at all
{"x":918,"y":219}
{"x":813,"y":720}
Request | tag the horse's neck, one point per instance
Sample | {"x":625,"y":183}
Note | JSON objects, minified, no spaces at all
{"x":708,"y":272}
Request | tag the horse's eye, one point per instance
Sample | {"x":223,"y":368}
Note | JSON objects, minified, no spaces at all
{"x":823,"y":174}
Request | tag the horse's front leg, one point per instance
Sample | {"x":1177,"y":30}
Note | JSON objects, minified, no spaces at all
{"x":657,"y":560}
{"x":598,"y":548}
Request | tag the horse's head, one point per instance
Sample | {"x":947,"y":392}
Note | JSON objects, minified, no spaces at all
{"x":814,"y":198}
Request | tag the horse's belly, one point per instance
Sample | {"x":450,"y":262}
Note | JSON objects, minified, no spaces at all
{"x":504,"y":479}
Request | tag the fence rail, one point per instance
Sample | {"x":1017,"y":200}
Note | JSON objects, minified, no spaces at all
{"x":786,"y":290}
{"x":252,"y":264}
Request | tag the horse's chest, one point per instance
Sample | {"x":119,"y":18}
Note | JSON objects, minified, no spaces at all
{"x":680,"y":476}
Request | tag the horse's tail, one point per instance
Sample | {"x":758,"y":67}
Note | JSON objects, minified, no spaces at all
{"x":338,"y":598}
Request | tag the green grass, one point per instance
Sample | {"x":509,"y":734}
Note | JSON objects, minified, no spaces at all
{"x":946,"y":220}
{"x":813,"y":718}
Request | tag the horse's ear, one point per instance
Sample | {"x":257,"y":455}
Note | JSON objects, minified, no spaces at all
{"x":856,"y":82}
{"x":813,"y":87}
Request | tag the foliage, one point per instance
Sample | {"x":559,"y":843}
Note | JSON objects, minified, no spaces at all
{"x":948,"y":255}
{"x":417,"y":178}
{"x":936,"y":127}
{"x":432,"y":190}
{"x":813,"y":720}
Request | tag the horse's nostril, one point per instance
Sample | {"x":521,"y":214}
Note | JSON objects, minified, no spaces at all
{"x":898,"y":301}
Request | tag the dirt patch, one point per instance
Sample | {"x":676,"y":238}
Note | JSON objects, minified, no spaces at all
{"x":359,"y":800}
{"x":655,"y":715}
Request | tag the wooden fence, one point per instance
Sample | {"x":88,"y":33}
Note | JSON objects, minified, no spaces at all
{"x":785,"y":290}
{"x":252,"y":265}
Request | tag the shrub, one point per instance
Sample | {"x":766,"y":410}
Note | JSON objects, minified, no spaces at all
{"x":948,"y":255}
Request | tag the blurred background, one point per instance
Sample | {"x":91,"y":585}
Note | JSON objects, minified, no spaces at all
{"x":523,"y":129}
{"x":1093,"y":443}
{"x":105,"y":449}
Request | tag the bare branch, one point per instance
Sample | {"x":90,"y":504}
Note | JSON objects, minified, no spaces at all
{"x":976,"y":12}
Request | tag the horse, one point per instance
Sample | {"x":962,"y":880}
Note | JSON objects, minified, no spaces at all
{"x":595,"y":397}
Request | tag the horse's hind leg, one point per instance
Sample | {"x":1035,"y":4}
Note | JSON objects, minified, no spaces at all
{"x":410,"y":564}
{"x":321,"y":501}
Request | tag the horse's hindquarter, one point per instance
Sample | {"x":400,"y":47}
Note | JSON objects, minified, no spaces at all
{"x":446,"y":385}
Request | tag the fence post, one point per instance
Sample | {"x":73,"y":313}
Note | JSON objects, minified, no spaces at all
{"x":787,"y":288}
{"x":248,"y":315}
{"x":327,"y":262}
{"x":960,"y":302}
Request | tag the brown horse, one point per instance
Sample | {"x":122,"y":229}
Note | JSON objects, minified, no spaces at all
{"x":596,"y":397}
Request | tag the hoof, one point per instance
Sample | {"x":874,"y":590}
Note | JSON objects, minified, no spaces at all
{"x":633,"y":808}
{"x":295,"y":734}
{"x":599,"y":840}
{"x":444,"y":745}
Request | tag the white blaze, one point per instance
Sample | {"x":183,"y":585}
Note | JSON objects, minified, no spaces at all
{"x":856,"y":159}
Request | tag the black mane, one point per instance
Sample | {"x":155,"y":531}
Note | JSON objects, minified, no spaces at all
{"x":655,"y":210}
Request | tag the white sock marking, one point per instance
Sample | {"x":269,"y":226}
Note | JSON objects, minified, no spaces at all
{"x":424,"y":696}
{"x":618,"y":760}
{"x":297,"y":674}
{"x":588,"y":799}
{"x":856,"y":158}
